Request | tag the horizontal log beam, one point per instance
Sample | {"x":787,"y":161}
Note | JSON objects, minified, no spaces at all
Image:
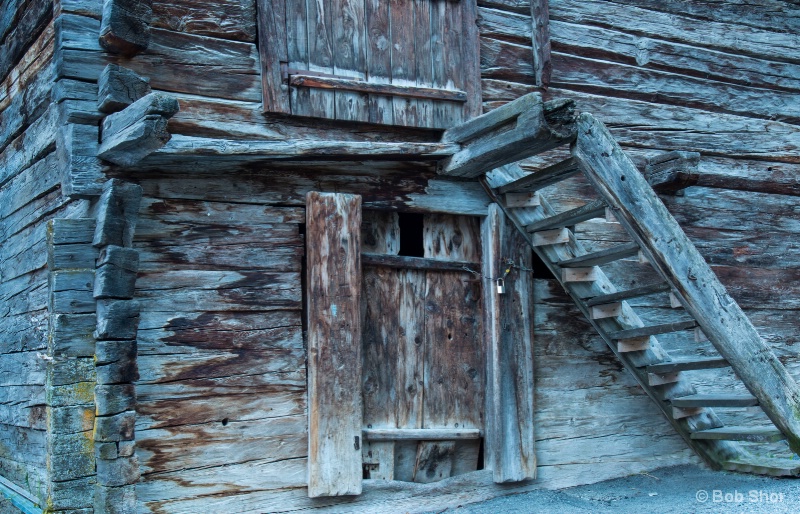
{"x":184,"y":147}
{"x":125,"y":26}
{"x":520,"y":129}
{"x":138,"y":130}
{"x":421,"y":263}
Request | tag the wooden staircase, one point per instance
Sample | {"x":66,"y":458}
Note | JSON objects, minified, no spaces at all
{"x":686,"y":281}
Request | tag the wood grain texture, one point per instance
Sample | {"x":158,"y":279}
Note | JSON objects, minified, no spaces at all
{"x":509,"y":447}
{"x":333,"y":249}
{"x":680,"y":262}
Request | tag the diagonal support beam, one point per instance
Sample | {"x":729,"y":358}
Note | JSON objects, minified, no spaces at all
{"x":673,"y":255}
{"x":522,"y":128}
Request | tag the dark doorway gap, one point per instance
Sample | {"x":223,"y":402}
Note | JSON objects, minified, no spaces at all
{"x":411,"y":234}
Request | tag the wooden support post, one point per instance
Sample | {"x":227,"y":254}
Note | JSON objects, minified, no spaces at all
{"x":333,"y":252}
{"x":519,"y":129}
{"x":125,"y":27}
{"x":138,"y":130}
{"x":509,"y":442}
{"x":119,"y":87}
{"x":637,"y":207}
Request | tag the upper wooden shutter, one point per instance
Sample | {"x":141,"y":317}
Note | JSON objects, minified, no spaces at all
{"x":396,"y":62}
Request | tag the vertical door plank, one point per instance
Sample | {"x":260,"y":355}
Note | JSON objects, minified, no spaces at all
{"x":434,"y":461}
{"x":401,"y":16}
{"x":320,"y":58}
{"x":349,"y":56}
{"x":440,"y":115}
{"x":509,"y":432}
{"x":470,"y":69}
{"x":297,"y":50}
{"x":423,"y":58}
{"x":333,"y":253}
{"x":272,"y":49}
{"x":454,"y":356}
{"x":453,"y":58}
{"x":379,"y":59}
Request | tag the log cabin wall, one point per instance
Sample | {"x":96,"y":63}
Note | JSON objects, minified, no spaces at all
{"x":718,"y":78}
{"x":221,"y":395}
{"x":46,"y":390}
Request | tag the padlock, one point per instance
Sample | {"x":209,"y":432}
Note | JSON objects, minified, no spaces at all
{"x":501,"y":286}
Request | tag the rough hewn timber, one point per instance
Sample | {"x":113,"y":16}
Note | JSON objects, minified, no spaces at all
{"x":676,"y":258}
{"x":509,"y":443}
{"x":119,"y":87}
{"x":333,"y":248}
{"x":138,"y":130}
{"x":125,"y":26}
{"x":521,"y":129}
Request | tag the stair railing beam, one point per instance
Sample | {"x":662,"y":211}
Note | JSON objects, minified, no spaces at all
{"x":673,"y":255}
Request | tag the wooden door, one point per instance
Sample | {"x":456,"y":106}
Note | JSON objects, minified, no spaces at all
{"x":423,"y":350}
{"x":396,"y":62}
{"x":415,"y":361}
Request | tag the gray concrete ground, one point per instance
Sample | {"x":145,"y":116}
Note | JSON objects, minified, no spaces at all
{"x":679,"y":489}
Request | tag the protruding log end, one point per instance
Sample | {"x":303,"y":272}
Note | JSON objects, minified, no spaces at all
{"x":125,"y":27}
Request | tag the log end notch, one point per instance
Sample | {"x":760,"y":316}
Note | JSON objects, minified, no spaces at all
{"x":520,"y":129}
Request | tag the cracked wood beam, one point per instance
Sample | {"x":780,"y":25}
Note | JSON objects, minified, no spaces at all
{"x":671,"y":172}
{"x":119,"y":87}
{"x":125,"y":27}
{"x":138,"y":130}
{"x":522,"y":128}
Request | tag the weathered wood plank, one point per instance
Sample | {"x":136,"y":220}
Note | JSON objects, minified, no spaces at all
{"x":404,"y":93}
{"x":320,"y":59}
{"x":537,"y":128}
{"x":29,"y":24}
{"x":234,"y":20}
{"x":540,"y":23}
{"x":274,"y":25}
{"x":125,"y":26}
{"x":509,"y":445}
{"x":333,"y":221}
{"x":670,"y":251}
{"x":727,"y":37}
{"x":119,"y":87}
{"x":454,"y":354}
{"x":349,"y":59}
{"x":184,"y":147}
{"x":138,"y":130}
{"x":418,"y":263}
{"x":403,"y":71}
{"x":379,"y":59}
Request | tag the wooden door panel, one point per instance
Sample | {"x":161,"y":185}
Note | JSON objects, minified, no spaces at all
{"x":401,"y":62}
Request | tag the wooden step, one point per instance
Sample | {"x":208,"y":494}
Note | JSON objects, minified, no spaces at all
{"x":551,"y":237}
{"x":566,"y":219}
{"x":542,"y":178}
{"x":749,"y":434}
{"x":772,"y":466}
{"x":630,"y":293}
{"x":715,"y":400}
{"x":688,"y":364}
{"x":653,"y":330}
{"x":602,"y":257}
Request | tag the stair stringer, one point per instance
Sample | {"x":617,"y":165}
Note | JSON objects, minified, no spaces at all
{"x":714,"y":453}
